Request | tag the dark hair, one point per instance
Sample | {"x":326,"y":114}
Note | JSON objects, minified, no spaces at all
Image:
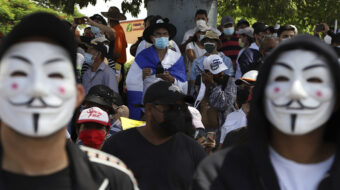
{"x":285,"y":28}
{"x":242,"y":96}
{"x":87,"y":28}
{"x":150,"y":17}
{"x":336,"y":38}
{"x":201,"y":12}
{"x":236,"y":137}
{"x":242,"y":21}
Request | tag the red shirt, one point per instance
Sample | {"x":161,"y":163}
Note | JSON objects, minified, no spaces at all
{"x":120,"y":44}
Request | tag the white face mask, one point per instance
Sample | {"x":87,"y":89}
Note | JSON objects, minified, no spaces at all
{"x":200,"y":23}
{"x":299,"y":96}
{"x":38,"y":88}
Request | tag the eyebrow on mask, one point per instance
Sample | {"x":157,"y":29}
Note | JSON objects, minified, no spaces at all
{"x":54,"y":60}
{"x":284,"y":65}
{"x":313,"y":66}
{"x":19,"y":57}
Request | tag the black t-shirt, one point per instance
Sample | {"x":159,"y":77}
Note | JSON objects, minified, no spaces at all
{"x":56,"y":181}
{"x":166,"y":166}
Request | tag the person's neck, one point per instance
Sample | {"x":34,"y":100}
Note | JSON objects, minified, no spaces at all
{"x":96,"y":65}
{"x":153,"y":136}
{"x":309,"y":148}
{"x":33,"y":156}
{"x":161,"y":53}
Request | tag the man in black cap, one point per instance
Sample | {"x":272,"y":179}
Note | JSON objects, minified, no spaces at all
{"x":99,"y":72}
{"x":158,"y":62}
{"x":39,"y":95}
{"x":286,"y":32}
{"x":103,"y":97}
{"x":159,"y":155}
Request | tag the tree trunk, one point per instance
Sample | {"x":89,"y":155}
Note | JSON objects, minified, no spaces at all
{"x":181,"y":13}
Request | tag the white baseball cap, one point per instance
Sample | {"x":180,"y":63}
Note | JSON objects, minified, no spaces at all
{"x":215,"y":64}
{"x":94,"y":115}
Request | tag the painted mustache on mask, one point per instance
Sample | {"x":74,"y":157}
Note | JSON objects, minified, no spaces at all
{"x":29,"y":103}
{"x":302,"y":107}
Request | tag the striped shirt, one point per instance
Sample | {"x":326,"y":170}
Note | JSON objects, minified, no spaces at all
{"x":230,"y":47}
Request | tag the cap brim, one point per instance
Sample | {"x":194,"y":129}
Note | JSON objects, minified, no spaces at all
{"x":120,"y":16}
{"x":93,"y":121}
{"x":98,"y":100}
{"x":248,"y":82}
{"x":186,"y":98}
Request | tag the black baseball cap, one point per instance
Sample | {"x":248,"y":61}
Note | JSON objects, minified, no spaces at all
{"x":103,"y":95}
{"x":100,"y":18}
{"x":164,"y":92}
{"x":99,"y":46}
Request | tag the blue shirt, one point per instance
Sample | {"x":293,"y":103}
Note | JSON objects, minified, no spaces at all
{"x":103,"y":76}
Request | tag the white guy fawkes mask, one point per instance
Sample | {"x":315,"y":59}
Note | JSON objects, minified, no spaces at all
{"x":38,"y":88}
{"x":299,"y":96}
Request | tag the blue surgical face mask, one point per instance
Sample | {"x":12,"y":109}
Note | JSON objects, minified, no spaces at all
{"x":161,"y":43}
{"x":88,"y":58}
{"x":201,"y":37}
{"x":95,"y":30}
{"x":228,"y":31}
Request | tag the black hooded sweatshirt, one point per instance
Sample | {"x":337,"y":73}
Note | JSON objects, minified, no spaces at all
{"x":248,"y":166}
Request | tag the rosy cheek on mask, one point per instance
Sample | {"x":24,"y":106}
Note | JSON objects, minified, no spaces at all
{"x":62,"y":90}
{"x":14,"y":86}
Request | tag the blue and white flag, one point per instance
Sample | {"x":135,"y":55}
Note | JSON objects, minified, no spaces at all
{"x":173,"y":62}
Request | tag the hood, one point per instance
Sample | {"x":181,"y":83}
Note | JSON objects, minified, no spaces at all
{"x":258,"y":123}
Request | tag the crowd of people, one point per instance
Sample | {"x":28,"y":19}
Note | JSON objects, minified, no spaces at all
{"x":237,"y":106}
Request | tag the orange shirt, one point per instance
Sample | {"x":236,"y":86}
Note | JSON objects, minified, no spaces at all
{"x":120,"y":44}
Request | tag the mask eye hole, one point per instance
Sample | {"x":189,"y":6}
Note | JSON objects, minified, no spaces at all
{"x":281,"y":79}
{"x":19,"y":74}
{"x":56,"y":76}
{"x":314,"y":80}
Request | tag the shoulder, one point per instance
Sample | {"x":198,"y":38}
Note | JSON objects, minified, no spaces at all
{"x":108,"y":164}
{"x":188,"y":141}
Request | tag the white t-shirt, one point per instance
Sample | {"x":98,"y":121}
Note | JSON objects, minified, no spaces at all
{"x":235,"y":120}
{"x":198,"y":51}
{"x":293,"y":175}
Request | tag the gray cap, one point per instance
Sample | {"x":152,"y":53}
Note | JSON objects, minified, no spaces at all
{"x":227,"y":20}
{"x":246,"y":31}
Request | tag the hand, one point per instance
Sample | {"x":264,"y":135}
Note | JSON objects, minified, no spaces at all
{"x":121,"y":111}
{"x":166,"y":76}
{"x":147,"y":72}
{"x":90,"y":21}
{"x":208,"y":79}
{"x":326,"y":28}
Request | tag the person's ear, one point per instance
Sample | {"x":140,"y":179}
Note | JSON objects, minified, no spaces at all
{"x":80,"y":95}
{"x":152,"y":39}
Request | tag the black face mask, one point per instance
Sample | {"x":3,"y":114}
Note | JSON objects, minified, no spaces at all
{"x":174,"y":121}
{"x":221,"y":80}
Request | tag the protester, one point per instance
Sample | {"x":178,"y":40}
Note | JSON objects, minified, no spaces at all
{"x":155,"y":63}
{"x":249,"y":55}
{"x":39,"y":95}
{"x":133,"y":48}
{"x":267,"y":45}
{"x":119,"y":52}
{"x":286,"y":32}
{"x":293,"y":122}
{"x":144,"y":44}
{"x":99,"y":72}
{"x":238,"y":118}
{"x":336,"y":43}
{"x":201,"y":21}
{"x":159,"y":155}
{"x":195,"y":49}
{"x":211,"y":44}
{"x":93,"y":127}
{"x":230,"y":46}
{"x":242,"y":24}
{"x":216,"y":95}
{"x":106,"y":99}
